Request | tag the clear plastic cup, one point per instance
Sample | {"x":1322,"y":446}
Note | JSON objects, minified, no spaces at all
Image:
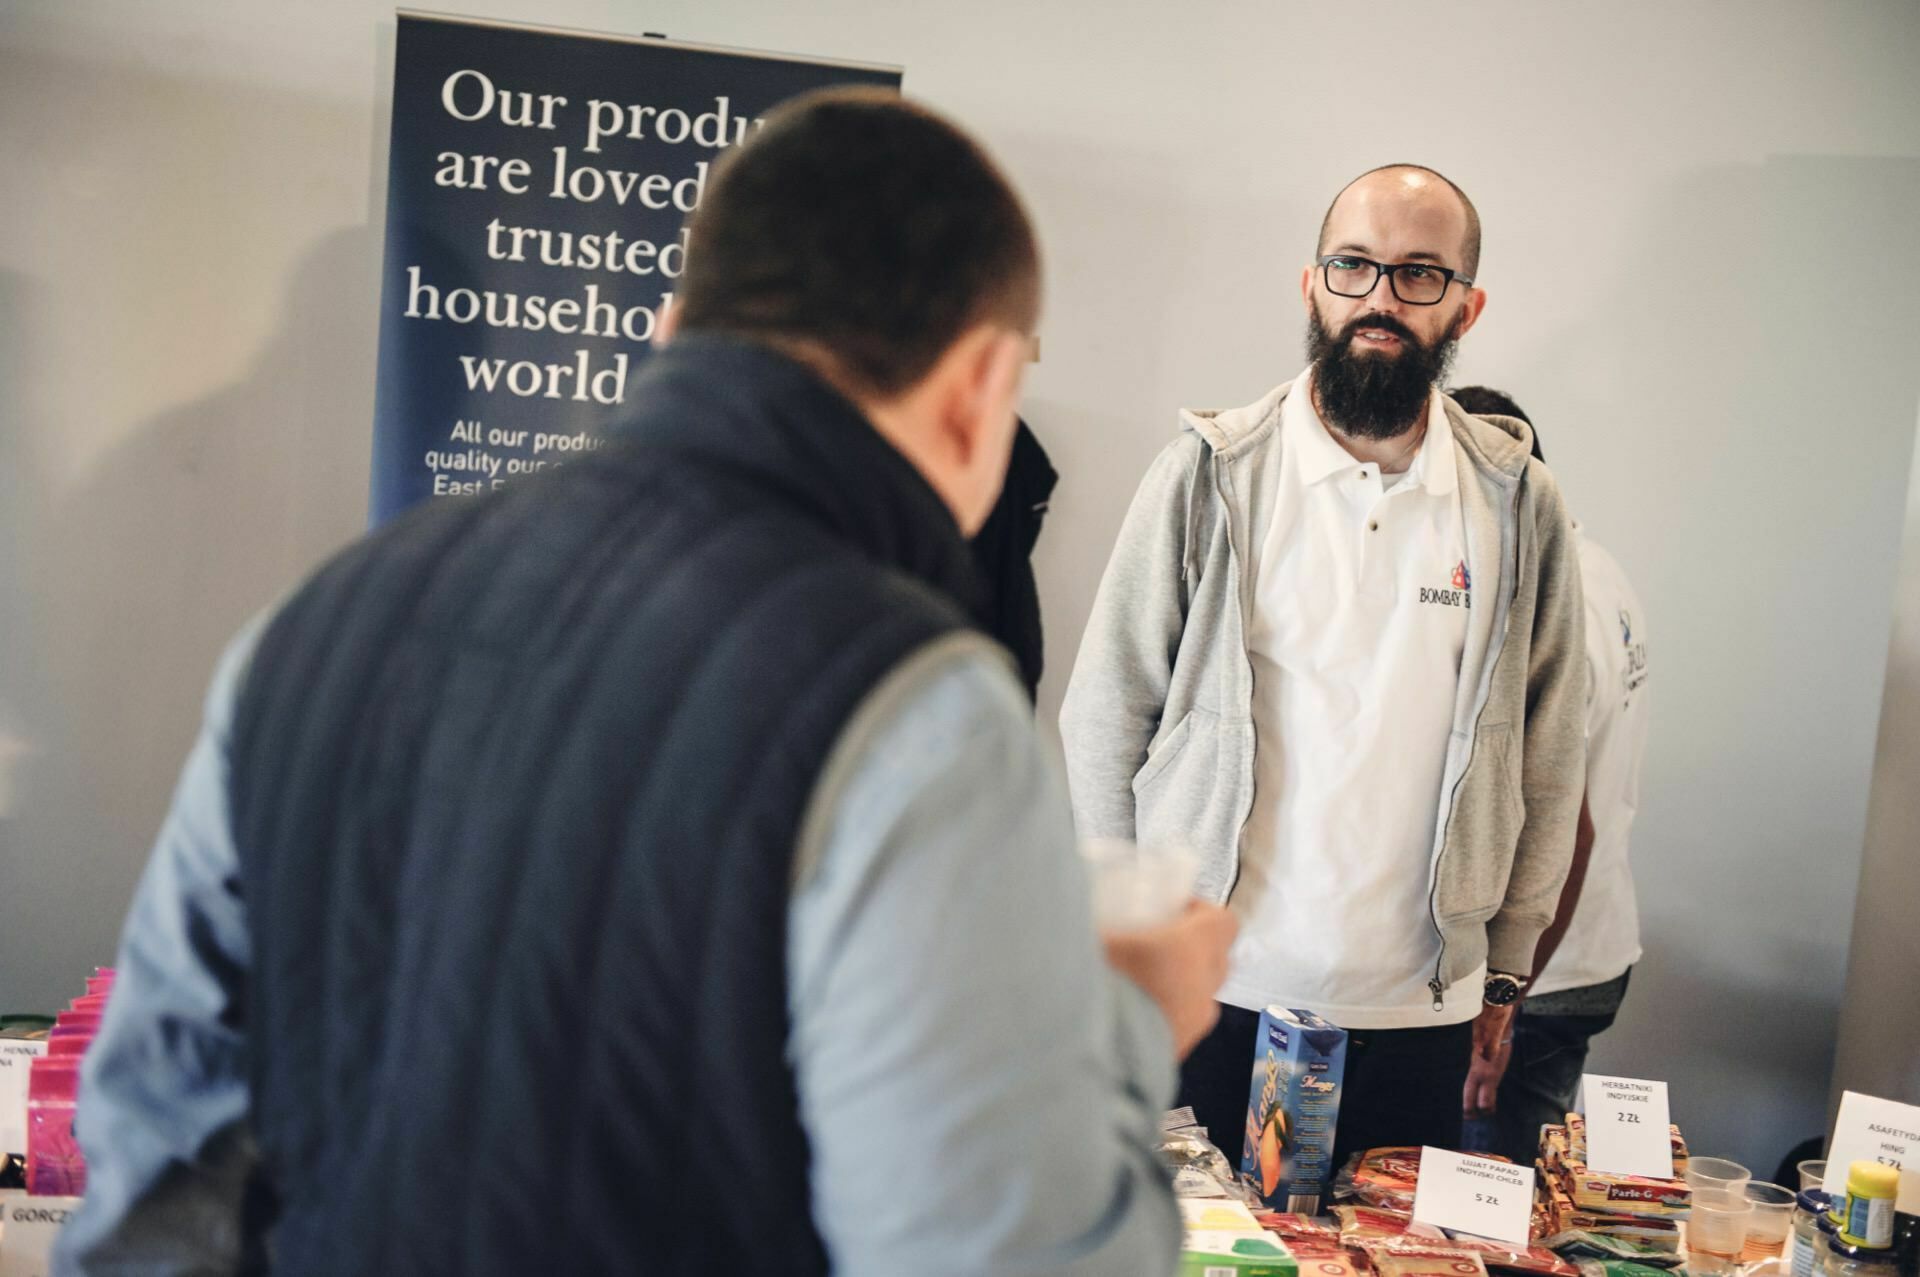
{"x":1717,"y":1228}
{"x":1717,"y":1179}
{"x":1710,"y":1266}
{"x":1138,"y":886}
{"x":1813,"y":1173}
{"x":1769,"y":1223}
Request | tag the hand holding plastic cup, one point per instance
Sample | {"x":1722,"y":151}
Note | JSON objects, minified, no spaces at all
{"x":1136,"y":887}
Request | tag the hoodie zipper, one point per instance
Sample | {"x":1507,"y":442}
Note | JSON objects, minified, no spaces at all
{"x":1436,"y":986}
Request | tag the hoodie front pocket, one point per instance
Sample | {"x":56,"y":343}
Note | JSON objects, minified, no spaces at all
{"x":1509,"y":779}
{"x":1484,"y":829}
{"x":1160,"y":755}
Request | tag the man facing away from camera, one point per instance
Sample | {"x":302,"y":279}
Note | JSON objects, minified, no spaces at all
{"x":652,"y":861}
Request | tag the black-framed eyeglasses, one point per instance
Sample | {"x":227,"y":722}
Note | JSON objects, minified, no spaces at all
{"x":1415,"y":283}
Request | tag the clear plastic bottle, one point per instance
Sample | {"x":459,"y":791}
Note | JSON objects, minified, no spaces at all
{"x":1906,"y":1244}
{"x":1803,"y":1248}
{"x":1844,"y":1260}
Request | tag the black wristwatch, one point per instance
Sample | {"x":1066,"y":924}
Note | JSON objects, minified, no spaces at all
{"x":1503,"y":990}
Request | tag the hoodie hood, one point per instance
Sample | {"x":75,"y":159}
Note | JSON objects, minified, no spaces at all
{"x":1499,"y":445}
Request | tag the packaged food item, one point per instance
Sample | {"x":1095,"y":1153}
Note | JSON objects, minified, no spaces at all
{"x":1199,"y":1169}
{"x":1206,"y":1215}
{"x":55,"y":1165}
{"x":1563,"y":1154}
{"x":1578,"y":1245}
{"x":1619,"y":1268}
{"x":1499,"y":1257}
{"x":1299,"y":1063}
{"x":1293,"y":1228}
{"x":1455,"y":1264}
{"x":1576,"y":1134}
{"x":1382,"y":1177}
{"x":1232,"y":1254}
{"x":1337,"y":1264}
{"x":1358,"y":1223}
{"x":1628,"y":1194}
{"x":1533,"y":1261}
{"x":1865,"y":1216}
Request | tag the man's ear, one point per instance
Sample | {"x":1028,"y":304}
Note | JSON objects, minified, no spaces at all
{"x":982,"y":372}
{"x":1470,"y":313}
{"x":669,"y":327}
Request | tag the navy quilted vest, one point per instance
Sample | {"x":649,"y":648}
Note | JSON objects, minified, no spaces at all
{"x":516,"y":784}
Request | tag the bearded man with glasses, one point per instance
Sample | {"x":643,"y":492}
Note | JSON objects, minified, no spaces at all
{"x":1338,"y":652}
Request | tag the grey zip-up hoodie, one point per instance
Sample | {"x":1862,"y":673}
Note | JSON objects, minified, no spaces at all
{"x":1158,"y":719}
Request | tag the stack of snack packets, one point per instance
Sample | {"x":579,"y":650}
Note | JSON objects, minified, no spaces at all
{"x":1627,"y":1216}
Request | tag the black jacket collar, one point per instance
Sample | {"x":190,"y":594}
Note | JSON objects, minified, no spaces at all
{"x":746,"y":407}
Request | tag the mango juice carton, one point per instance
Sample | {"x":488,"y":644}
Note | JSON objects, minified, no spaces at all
{"x":1299,"y":1061}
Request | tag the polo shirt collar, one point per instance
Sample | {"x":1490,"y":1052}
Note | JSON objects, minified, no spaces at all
{"x":1433,"y":466}
{"x":1318,"y":454}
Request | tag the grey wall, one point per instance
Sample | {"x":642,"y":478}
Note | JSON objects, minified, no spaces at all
{"x":1879,"y":1051}
{"x":1701,"y":264}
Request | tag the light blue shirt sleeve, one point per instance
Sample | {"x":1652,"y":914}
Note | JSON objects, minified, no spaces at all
{"x":982,"y":1094}
{"x":163,"y":1098}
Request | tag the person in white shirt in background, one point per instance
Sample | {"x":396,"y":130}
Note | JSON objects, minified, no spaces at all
{"x":1586,"y":957}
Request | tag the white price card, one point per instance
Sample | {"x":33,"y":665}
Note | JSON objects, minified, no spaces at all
{"x":1474,"y":1195}
{"x":1627,"y":1127}
{"x":16,"y":1061}
{"x":28,"y":1226}
{"x":1873,"y":1130}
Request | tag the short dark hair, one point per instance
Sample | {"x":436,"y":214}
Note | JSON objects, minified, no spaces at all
{"x":1469,"y":251}
{"x":1481,"y":400}
{"x":862,"y":229}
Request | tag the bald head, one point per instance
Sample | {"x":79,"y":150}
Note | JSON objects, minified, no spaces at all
{"x":1412,"y":191}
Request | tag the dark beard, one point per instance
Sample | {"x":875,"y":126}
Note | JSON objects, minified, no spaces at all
{"x":1367,"y":396}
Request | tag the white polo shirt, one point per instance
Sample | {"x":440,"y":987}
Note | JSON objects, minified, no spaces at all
{"x":1359,"y":621}
{"x":1603,"y":937}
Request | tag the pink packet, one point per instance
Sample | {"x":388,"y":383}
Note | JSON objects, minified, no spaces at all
{"x":55,"y":1165}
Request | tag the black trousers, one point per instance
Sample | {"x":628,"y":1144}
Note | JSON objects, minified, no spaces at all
{"x":1541,"y":1085}
{"x":1402,"y":1086}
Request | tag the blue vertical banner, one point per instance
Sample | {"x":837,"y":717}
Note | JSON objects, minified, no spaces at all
{"x":537,"y":188}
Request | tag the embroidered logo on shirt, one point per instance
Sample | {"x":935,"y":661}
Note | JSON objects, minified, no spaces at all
{"x":1636,"y":670}
{"x":1459,"y":596}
